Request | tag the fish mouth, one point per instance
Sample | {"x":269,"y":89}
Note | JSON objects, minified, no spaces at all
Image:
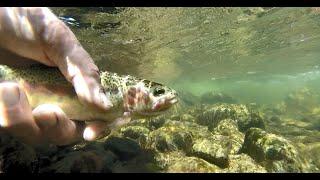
{"x":158,"y":109}
{"x":164,"y":104}
{"x":173,"y":100}
{"x":168,"y":103}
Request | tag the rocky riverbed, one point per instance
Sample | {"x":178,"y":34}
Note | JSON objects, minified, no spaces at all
{"x":219,"y":137}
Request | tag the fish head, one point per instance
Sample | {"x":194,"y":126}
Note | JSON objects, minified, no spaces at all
{"x":148,"y":98}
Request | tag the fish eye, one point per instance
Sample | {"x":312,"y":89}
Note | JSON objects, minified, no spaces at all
{"x":158,"y":91}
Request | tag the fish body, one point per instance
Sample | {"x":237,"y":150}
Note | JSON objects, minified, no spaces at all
{"x":128,"y":94}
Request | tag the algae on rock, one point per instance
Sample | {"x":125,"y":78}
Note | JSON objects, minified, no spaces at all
{"x":192,"y":165}
{"x":228,"y":127}
{"x":275,"y":153}
{"x":242,"y":163}
{"x":214,"y":150}
{"x":212,"y":115}
{"x":167,"y":139}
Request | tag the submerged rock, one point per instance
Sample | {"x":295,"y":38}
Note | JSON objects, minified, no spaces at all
{"x":226,"y":127}
{"x":156,"y":122}
{"x":124,"y":148}
{"x":138,"y":122}
{"x":273,"y":152}
{"x":84,"y":162}
{"x":196,"y":140}
{"x":313,"y":151}
{"x":214,"y":150}
{"x":301,"y":101}
{"x":242,"y":163}
{"x":207,"y":138}
{"x":143,"y":163}
{"x":229,"y":128}
{"x":274,"y":109}
{"x":16,"y":157}
{"x":216,"y":97}
{"x":138,"y":133}
{"x":212,"y":115}
{"x":170,"y":138}
{"x":197,"y":131}
{"x":192,"y":165}
{"x":254,"y":120}
{"x":187,"y":117}
{"x":149,"y":123}
{"x":275,"y":119}
{"x":178,"y":162}
{"x":294,"y":129}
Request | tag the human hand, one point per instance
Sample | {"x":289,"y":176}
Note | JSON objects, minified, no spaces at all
{"x":37,"y":34}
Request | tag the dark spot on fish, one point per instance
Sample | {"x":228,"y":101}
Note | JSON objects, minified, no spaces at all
{"x":114,"y":90}
{"x":155,"y":84}
{"x":151,"y":83}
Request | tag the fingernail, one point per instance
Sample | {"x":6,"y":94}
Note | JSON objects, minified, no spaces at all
{"x":10,"y":95}
{"x":89,"y":134}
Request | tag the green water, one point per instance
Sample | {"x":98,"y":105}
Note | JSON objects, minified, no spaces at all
{"x":265,"y":56}
{"x":254,"y":54}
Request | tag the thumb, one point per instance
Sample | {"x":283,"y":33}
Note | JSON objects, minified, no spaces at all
{"x":16,"y":113}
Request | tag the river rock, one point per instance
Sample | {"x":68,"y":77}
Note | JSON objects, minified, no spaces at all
{"x":216,"y":97}
{"x":83,"y":162}
{"x":192,"y":165}
{"x":212,"y":115}
{"x":170,"y":138}
{"x":138,"y":133}
{"x":17,"y":157}
{"x":229,"y":128}
{"x":214,"y":150}
{"x":242,"y":163}
{"x":272,"y":151}
{"x":124,"y":148}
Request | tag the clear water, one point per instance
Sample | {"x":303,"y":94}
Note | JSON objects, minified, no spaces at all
{"x":256,"y":55}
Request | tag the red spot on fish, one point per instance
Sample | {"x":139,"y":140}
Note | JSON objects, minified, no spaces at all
{"x":130,"y":101}
{"x":132,"y":92}
{"x":146,"y":98}
{"x":146,"y":101}
{"x":139,"y":99}
{"x":157,"y":106}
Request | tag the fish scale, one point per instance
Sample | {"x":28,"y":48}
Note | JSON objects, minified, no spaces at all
{"x":46,"y":85}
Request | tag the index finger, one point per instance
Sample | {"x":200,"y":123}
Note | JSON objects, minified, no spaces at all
{"x":63,"y":49}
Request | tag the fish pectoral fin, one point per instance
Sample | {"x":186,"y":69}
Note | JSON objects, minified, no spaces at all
{"x":126,"y":118}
